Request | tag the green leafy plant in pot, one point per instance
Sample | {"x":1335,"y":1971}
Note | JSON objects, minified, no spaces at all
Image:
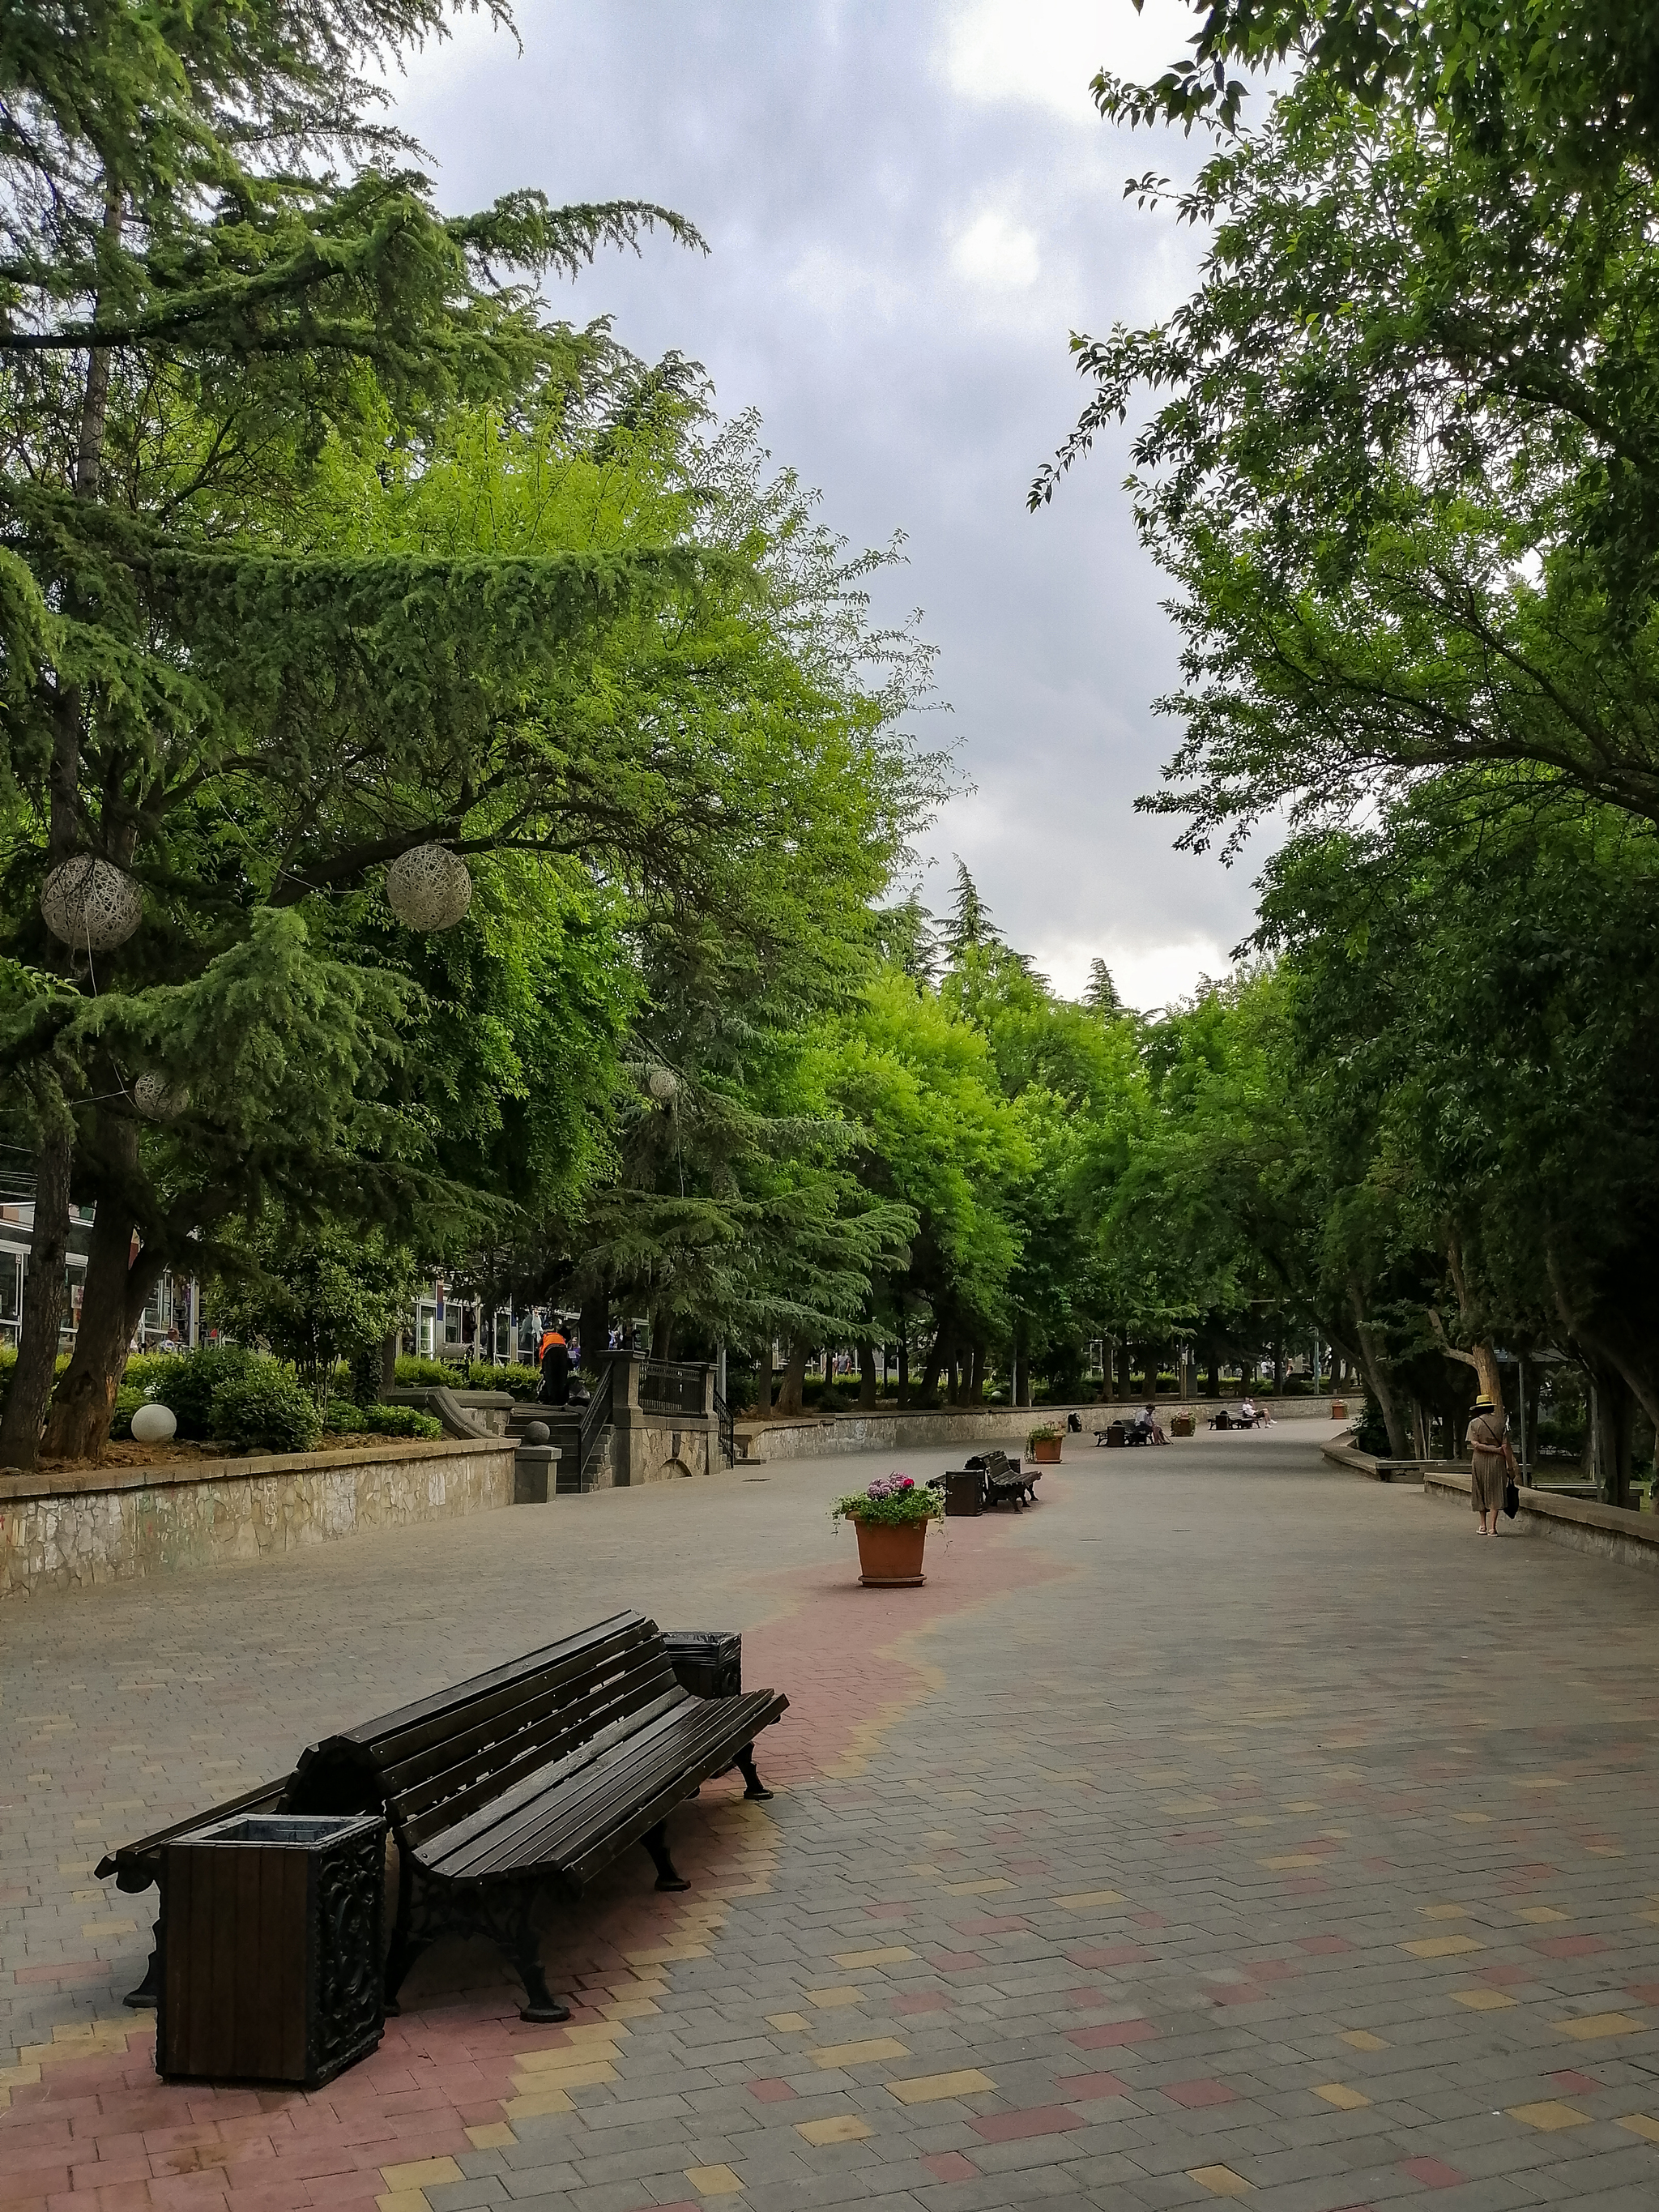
{"x":1044,"y":1442}
{"x":890,"y":1518}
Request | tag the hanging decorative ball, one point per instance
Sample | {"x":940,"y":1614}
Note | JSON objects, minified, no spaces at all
{"x":153,"y":1424}
{"x":91,"y":904}
{"x":428,"y":887}
{"x":157,"y":1100}
{"x":663,"y":1083}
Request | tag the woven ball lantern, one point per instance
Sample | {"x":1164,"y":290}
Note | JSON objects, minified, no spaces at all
{"x":663,"y":1084}
{"x":157,"y":1100}
{"x":91,"y":904}
{"x":428,"y":888}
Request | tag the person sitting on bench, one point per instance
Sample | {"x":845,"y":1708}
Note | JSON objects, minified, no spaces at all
{"x":1149,"y":1428}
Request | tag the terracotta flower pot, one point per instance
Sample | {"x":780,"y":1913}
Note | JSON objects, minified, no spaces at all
{"x":1182,"y":1425}
{"x":1046,"y":1449}
{"x":1338,"y":1410}
{"x":890,"y":1554}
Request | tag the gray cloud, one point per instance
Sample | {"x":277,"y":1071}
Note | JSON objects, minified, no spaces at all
{"x":908,"y":207}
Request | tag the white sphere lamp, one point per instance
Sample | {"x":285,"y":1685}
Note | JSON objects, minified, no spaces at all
{"x":90,"y":904}
{"x":155,"y":1424}
{"x":156,"y":1099}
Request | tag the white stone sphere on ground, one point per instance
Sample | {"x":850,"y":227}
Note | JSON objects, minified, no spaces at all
{"x":153,"y":1424}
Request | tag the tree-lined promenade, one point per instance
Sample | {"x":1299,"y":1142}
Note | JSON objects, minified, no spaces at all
{"x":459,"y":800}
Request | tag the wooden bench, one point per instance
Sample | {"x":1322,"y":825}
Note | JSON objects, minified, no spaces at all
{"x":1006,"y":1481}
{"x":580,"y":1748}
{"x":532,"y":1777}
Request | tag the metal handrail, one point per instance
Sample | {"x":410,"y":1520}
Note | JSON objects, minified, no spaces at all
{"x":728,"y":1430}
{"x":596,"y":1415}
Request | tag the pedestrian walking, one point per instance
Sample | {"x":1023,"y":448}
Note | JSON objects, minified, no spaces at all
{"x":1491,"y":1458}
{"x":556,"y":1371}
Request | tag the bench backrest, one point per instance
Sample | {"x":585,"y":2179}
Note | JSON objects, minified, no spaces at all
{"x":431,"y":1763}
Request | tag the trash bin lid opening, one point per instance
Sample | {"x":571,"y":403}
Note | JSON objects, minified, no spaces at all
{"x":281,"y":1828}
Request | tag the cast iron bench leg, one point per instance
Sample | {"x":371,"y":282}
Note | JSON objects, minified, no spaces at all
{"x":656,"y":1842}
{"x":149,"y":1992}
{"x":744,"y":1763}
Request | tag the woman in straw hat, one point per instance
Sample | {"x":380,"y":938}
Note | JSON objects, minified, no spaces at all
{"x":1491,"y":1458}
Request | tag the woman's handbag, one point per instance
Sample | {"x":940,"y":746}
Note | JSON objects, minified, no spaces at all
{"x":1511,"y":1499}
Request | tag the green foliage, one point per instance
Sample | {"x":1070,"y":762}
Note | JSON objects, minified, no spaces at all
{"x":343,"y":1417}
{"x":186,"y":1382}
{"x":128,"y":1399}
{"x":313,"y":1294}
{"x":265,"y":1409}
{"x":890,"y":1502}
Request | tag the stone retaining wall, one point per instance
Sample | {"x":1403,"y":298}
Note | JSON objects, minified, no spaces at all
{"x":818,"y":1436}
{"x":1611,"y":1532}
{"x":113,"y":1524}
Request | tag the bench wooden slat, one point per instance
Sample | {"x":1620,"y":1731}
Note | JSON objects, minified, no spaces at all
{"x":497,"y":1761}
{"x":563,"y":1830}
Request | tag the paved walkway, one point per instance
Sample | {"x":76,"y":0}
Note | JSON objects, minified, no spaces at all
{"x":1227,"y":1827}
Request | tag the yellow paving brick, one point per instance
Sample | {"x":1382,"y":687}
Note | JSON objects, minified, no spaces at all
{"x":1538,"y":1914}
{"x":840,"y":2127}
{"x":629,"y":2007}
{"x":1640,"y":2124}
{"x":929,"y":2088}
{"x":1287,"y":1864}
{"x":404,"y":2200}
{"x":1219,"y":2180}
{"x":787,"y":2023}
{"x":713,"y":2180}
{"x":1483,"y":2000}
{"x":595,"y":2031}
{"x":581,"y":2074}
{"x":535,"y":2104}
{"x":1253,"y":1821}
{"x":976,"y":1888}
{"x":421,"y":2174}
{"x":1339,"y":2094}
{"x":891,"y":1955}
{"x":1085,"y":1900}
{"x":1445,"y":1912}
{"x":1596,"y":2023}
{"x":826,"y":2000}
{"x":1442,"y":1947}
{"x":1540,"y":1782}
{"x":1474,"y":1819}
{"x":1549,"y":2115}
{"x":1361,"y":2039}
{"x":665,"y":1955}
{"x":860,"y":2054}
{"x":496,"y":2135}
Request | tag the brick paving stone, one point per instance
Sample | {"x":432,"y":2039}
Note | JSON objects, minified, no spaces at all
{"x":1230,"y":1777}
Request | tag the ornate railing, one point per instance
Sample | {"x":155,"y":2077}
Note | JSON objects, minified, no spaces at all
{"x":668,"y":1386}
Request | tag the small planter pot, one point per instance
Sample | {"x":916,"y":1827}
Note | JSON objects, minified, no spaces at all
{"x":1046,"y":1451}
{"x":1338,"y":1410}
{"x":1182,"y":1425}
{"x":890,"y":1554}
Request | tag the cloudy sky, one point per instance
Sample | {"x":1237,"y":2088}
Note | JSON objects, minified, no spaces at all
{"x":909,"y":204}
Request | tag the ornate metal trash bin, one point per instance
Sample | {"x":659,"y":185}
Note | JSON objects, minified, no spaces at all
{"x":270,"y":1948}
{"x":965,"y":1493}
{"x":707,"y":1661}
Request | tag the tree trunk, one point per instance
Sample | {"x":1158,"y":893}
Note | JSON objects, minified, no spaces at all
{"x":867,"y":1378}
{"x":1278,"y":1367}
{"x":44,"y":1292}
{"x":1212,"y":1377}
{"x":976,"y":1377}
{"x":937,"y":1351}
{"x":118,"y":1286}
{"x":790,"y":1400}
{"x":903,"y":1361}
{"x":1612,"y":1432}
{"x":1378,"y":1377}
{"x":595,"y":1330}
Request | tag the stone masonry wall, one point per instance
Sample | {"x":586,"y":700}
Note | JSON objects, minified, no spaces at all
{"x":116,"y":1523}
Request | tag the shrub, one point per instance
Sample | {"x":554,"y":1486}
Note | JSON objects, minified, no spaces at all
{"x":191,"y":1379}
{"x":522,"y":1380}
{"x":414,"y":1374}
{"x":128,"y":1399}
{"x":833,"y":1401}
{"x":264,"y":1408}
{"x":1372,"y":1436}
{"x":397,"y":1421}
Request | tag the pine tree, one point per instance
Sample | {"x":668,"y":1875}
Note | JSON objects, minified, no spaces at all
{"x":221,"y":277}
{"x":1100,"y":993}
{"x":969,"y":922}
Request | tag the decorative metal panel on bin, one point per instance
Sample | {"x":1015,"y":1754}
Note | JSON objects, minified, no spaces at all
{"x":270,"y":1947}
{"x":706,"y":1661}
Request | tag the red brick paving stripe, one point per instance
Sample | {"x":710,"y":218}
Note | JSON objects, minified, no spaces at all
{"x":1503,"y":1975}
{"x":1575,"y":2084}
{"x":1194,"y":2095}
{"x":1149,"y":1920}
{"x":1084,"y":2089}
{"x":771,"y":2092}
{"x":944,"y":2165}
{"x":1111,"y":2034}
{"x":1568,"y":1947}
{"x":1004,"y":1924}
{"x":1433,"y":2172}
{"x":1035,"y":2120}
{"x":65,"y":1969}
{"x":955,"y":1962}
{"x":37,"y":2181}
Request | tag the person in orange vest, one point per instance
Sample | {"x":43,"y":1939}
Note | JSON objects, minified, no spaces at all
{"x":556,"y":1370}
